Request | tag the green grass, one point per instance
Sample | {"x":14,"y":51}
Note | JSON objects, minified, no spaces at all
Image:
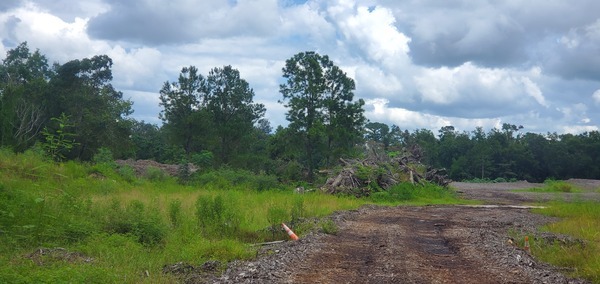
{"x":409,"y":194}
{"x":580,"y":220}
{"x":551,"y":186}
{"x":131,"y":227}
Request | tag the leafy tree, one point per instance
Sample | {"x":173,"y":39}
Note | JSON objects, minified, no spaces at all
{"x":59,"y":141}
{"x":182,"y":102}
{"x":23,"y":82}
{"x":215,"y":113}
{"x":319,"y":97}
{"x":148,"y":141}
{"x":229,"y":103}
{"x":344,"y":119}
{"x":426,"y":139}
{"x":82,"y":89}
{"x":378,"y":132}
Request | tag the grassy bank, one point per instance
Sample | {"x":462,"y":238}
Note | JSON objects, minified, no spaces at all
{"x":73,"y":222}
{"x":580,"y":220}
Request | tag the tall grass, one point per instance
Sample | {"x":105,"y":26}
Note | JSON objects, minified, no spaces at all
{"x":553,"y":186}
{"x":129,"y":227}
{"x":580,"y":220}
{"x":416,"y":195}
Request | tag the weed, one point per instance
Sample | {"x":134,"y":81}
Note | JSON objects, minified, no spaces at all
{"x":580,"y":220}
{"x":297,"y":211}
{"x":329,"y":227}
{"x":175,"y":213}
{"x":215,"y":217}
{"x":276,"y":215}
{"x":407,"y":192}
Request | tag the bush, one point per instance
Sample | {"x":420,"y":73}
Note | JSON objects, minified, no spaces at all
{"x":127,"y":173}
{"x":104,"y":156}
{"x":184,"y":173}
{"x":559,"y":186}
{"x":217,"y":218}
{"x":175,"y":212}
{"x":399,"y":192}
{"x":298,"y":210}
{"x":155,"y":174}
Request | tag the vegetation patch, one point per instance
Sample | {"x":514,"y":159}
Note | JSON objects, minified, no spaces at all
{"x":581,"y":220}
{"x":416,"y":194}
{"x":551,"y":186}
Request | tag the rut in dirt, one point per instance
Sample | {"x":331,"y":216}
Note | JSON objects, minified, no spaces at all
{"x":431,"y":244}
{"x":403,"y":245}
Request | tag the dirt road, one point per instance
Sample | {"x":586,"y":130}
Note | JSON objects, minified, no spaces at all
{"x":431,"y":244}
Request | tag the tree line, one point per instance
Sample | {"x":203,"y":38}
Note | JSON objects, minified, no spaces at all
{"x":72,"y":111}
{"x":500,"y":154}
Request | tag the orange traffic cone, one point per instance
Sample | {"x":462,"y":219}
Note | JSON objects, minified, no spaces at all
{"x":526,"y":247}
{"x":290,"y":233}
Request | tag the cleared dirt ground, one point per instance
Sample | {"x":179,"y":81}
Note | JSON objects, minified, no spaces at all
{"x":431,"y":244}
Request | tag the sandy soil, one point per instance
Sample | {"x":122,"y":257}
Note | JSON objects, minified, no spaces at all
{"x":430,"y":244}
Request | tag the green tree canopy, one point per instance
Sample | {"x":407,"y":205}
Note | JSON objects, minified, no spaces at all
{"x":23,"y":82}
{"x":214,"y":113}
{"x":82,"y":89}
{"x":229,"y":102}
{"x":319,"y":97}
{"x":183,"y":104}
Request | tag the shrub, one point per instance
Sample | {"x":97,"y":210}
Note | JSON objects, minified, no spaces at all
{"x":215,"y":217}
{"x":184,"y":173}
{"x":298,"y":209}
{"x":399,"y":192}
{"x":560,"y":186}
{"x":104,"y":156}
{"x":127,"y":173}
{"x":175,"y":212}
{"x":155,"y":174}
{"x":203,"y":159}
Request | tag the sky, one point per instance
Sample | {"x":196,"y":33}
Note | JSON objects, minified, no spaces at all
{"x":416,"y":63}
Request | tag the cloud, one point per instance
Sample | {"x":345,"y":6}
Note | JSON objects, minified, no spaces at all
{"x":534,"y":91}
{"x":371,"y":30}
{"x":474,"y":92}
{"x":455,"y":32}
{"x":379,"y":110}
{"x":576,"y":54}
{"x":596,"y":96}
{"x":138,"y":68}
{"x":146,"y":106}
{"x":183,"y":21}
{"x":68,"y":10}
{"x":422,"y":64}
{"x":7,"y":5}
